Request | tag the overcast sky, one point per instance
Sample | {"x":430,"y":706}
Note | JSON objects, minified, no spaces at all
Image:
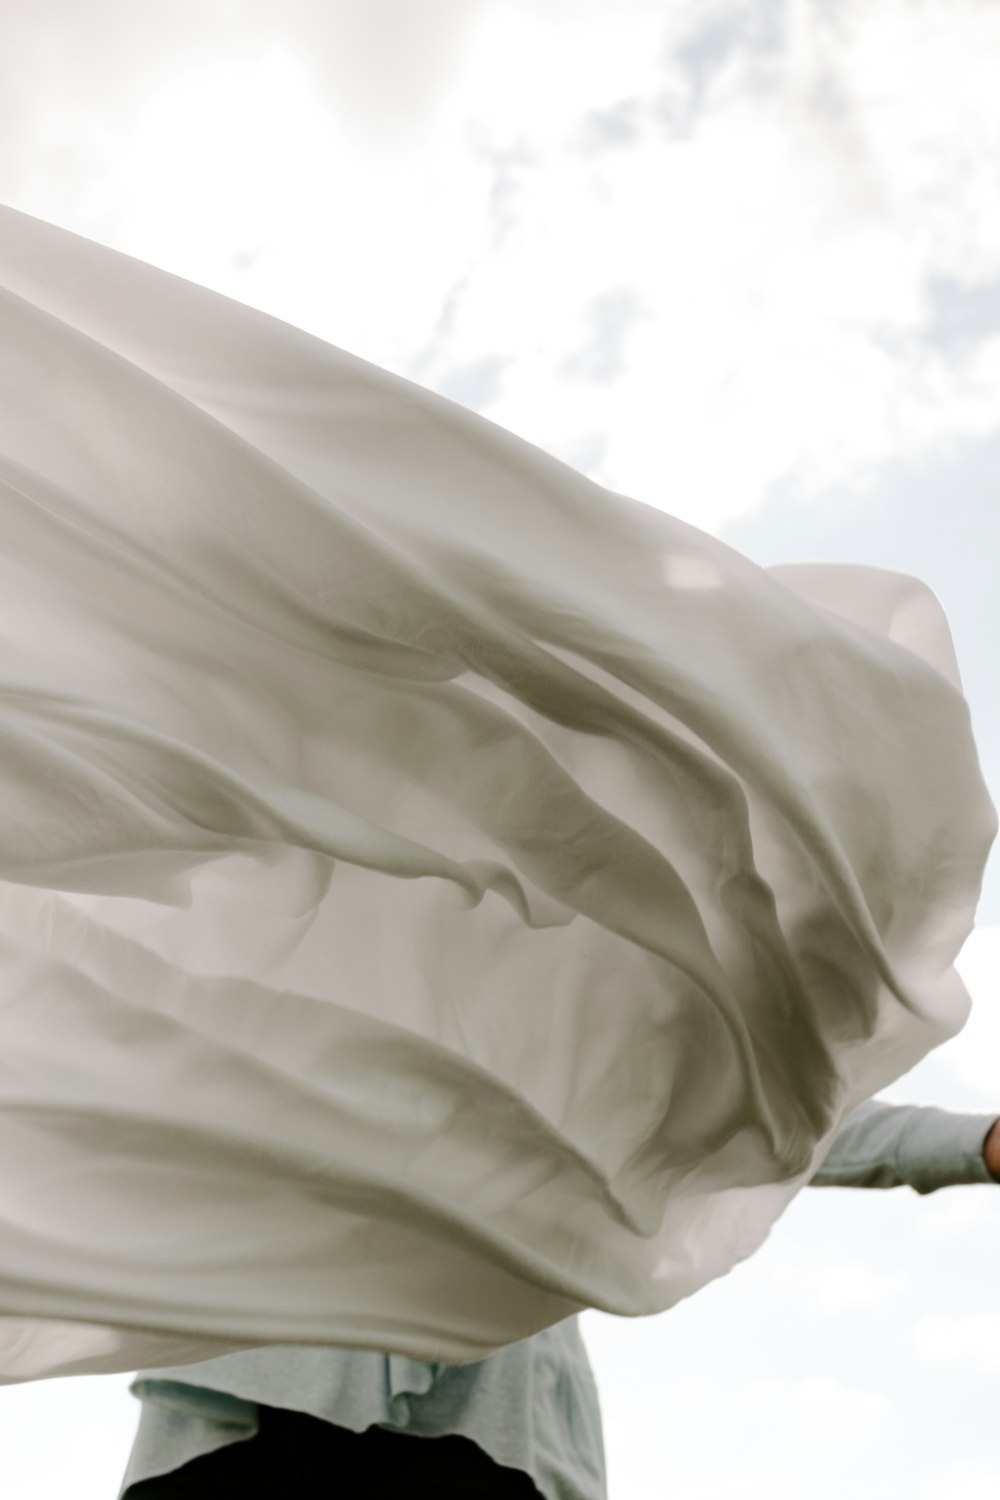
{"x":741,"y":261}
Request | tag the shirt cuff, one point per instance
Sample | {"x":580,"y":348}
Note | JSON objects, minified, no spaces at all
{"x":938,"y":1149}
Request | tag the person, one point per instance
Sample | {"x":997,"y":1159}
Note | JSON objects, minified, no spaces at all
{"x":524,"y":1422}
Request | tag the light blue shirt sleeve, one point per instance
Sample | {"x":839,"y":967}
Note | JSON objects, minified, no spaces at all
{"x":884,"y":1145}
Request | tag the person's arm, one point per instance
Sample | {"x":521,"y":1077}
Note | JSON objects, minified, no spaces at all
{"x":884,"y":1145}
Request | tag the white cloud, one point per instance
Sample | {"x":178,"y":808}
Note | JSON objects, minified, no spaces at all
{"x":781,"y":243}
{"x":970,"y":1342}
{"x":974,"y":1055}
{"x":824,"y":1410}
{"x":66,"y":1437}
{"x":960,"y":1218}
{"x":836,"y":1285}
{"x":768,"y":194}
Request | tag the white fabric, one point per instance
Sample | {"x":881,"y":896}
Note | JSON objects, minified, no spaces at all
{"x":436,"y":894}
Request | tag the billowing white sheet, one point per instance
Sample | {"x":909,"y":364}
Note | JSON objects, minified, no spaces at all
{"x":436,"y":894}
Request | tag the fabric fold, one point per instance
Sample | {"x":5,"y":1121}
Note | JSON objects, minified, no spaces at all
{"x":436,"y":893}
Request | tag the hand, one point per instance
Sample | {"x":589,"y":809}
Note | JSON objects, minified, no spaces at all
{"x":991,"y":1150}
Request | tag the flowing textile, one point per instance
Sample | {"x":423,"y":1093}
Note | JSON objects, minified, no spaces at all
{"x":437,"y":894}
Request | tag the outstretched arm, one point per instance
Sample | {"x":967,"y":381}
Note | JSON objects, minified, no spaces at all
{"x":884,"y":1145}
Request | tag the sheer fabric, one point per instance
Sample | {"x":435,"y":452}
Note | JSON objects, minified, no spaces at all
{"x":437,"y":894}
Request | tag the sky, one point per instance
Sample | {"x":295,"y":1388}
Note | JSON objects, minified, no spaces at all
{"x":739,"y":259}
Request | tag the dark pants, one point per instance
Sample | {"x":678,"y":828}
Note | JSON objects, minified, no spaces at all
{"x":297,"y":1457}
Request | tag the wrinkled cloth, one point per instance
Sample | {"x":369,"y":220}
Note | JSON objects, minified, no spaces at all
{"x":437,"y":893}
